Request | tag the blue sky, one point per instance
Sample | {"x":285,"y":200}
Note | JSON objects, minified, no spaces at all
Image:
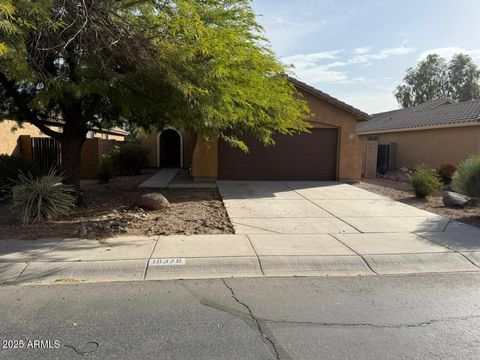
{"x":358,"y":50}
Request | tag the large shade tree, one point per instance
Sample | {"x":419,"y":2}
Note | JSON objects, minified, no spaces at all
{"x":435,"y":78}
{"x":199,"y":65}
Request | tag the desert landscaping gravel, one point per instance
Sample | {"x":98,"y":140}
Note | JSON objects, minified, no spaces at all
{"x":401,"y":191}
{"x":110,"y":211}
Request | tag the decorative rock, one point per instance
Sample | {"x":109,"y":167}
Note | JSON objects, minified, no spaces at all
{"x":152,"y":201}
{"x":455,"y":200}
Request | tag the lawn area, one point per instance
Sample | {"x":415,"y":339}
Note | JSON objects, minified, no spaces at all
{"x":401,"y":191}
{"x":110,"y":211}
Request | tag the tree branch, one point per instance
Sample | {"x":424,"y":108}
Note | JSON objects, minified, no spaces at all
{"x":23,"y":108}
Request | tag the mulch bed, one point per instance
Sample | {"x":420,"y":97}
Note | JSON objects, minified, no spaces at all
{"x":110,"y":211}
{"x":401,"y":191}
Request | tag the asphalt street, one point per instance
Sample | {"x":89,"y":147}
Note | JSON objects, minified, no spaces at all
{"x":374,"y":317}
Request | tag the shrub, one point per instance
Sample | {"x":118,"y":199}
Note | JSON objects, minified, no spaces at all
{"x":467,"y":178}
{"x":129,"y":159}
{"x":105,"y":170}
{"x":10,"y":169}
{"x":45,"y":197}
{"x":425,"y":181}
{"x":446,"y":173}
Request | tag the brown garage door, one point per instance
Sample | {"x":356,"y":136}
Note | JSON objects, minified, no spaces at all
{"x":300,"y":157}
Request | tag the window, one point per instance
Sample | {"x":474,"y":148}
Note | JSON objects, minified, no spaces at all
{"x":90,"y":135}
{"x":104,"y":136}
{"x":372,"y":138}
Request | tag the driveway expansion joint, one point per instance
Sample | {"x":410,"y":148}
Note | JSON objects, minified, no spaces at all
{"x":256,"y":254}
{"x":329,"y":212}
{"x":449,"y":248}
{"x":356,"y":252}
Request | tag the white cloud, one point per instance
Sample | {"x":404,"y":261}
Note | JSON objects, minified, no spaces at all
{"x":372,"y":103}
{"x":448,"y":52}
{"x":365,"y":56}
{"x":312,"y":57}
{"x":361,"y":51}
{"x":314,"y":68}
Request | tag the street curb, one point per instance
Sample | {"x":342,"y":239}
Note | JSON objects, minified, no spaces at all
{"x":205,"y":268}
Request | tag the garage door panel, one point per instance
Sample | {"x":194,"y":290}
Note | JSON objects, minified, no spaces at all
{"x":300,"y":157}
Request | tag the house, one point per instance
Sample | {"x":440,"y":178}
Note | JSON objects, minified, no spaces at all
{"x":331,"y":151}
{"x":11,"y":133}
{"x":23,"y":141}
{"x":435,"y":133}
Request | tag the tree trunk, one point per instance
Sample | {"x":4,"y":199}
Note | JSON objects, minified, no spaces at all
{"x":72,"y":141}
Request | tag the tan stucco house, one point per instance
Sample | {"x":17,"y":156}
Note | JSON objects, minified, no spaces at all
{"x":435,"y":133}
{"x":11,"y":135}
{"x":21,"y":141}
{"x":331,"y":151}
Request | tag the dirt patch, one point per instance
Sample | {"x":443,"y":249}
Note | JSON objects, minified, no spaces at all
{"x":110,"y":211}
{"x":401,"y":191}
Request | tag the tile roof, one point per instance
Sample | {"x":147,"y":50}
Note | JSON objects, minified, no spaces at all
{"x":441,"y":112}
{"x":349,"y":108}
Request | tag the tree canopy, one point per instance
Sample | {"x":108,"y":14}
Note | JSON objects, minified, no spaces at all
{"x":435,"y":78}
{"x":199,"y":65}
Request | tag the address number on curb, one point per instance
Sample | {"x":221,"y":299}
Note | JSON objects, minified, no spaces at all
{"x":167,"y":262}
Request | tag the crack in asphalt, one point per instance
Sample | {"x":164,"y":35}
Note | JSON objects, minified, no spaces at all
{"x":379,"y":326}
{"x":257,"y":325}
{"x":83,"y":350}
{"x":266,"y":334}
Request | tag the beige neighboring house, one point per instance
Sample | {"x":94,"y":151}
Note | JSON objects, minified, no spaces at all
{"x":16,"y":140}
{"x":435,"y":133}
{"x":10,"y":135}
{"x":331,"y":151}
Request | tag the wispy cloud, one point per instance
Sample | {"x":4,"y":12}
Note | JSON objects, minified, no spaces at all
{"x":448,"y":52}
{"x":363,"y":55}
{"x":314,"y":68}
{"x":313,"y":57}
{"x":372,"y":102}
{"x":361,"y":51}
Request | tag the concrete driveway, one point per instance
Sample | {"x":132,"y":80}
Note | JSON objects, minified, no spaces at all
{"x":275,"y":207}
{"x":336,"y":221}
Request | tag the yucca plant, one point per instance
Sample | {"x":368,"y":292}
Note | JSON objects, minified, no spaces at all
{"x":45,"y":197}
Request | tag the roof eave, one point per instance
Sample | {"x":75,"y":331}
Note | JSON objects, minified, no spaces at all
{"x":431,"y":127}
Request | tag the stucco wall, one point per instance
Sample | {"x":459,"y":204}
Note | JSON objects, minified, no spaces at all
{"x":349,"y":152}
{"x":205,"y":160}
{"x":433,"y":147}
{"x":9,"y":141}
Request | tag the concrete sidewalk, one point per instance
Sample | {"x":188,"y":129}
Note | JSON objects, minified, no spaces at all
{"x":282,"y":229}
{"x":241,"y":255}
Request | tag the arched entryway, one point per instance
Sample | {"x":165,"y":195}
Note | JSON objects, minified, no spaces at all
{"x":170,"y":149}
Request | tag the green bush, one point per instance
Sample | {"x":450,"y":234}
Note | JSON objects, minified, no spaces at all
{"x":446,"y":173}
{"x":10,"y":169}
{"x":127,"y":159}
{"x":425,"y":181}
{"x":467,"y":178}
{"x":45,"y":197}
{"x":105,"y":170}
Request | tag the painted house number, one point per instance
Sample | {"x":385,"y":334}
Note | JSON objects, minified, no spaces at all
{"x":167,"y":262}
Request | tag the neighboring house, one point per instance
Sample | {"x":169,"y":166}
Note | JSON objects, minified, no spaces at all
{"x":434,"y":133}
{"x":332,"y":151}
{"x":10,"y":134}
{"x":29,"y":142}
